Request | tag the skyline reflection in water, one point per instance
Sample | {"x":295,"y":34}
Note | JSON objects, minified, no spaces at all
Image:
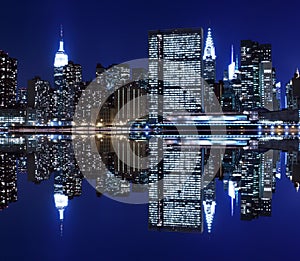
{"x":179,"y":181}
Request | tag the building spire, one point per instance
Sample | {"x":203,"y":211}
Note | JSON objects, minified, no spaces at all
{"x":232,"y":195}
{"x":61,"y":58}
{"x":61,"y":228}
{"x":209,"y":50}
{"x":61,"y":41}
{"x":61,"y":202}
{"x":231,"y":66}
{"x":297,"y":73}
{"x":209,"y":211}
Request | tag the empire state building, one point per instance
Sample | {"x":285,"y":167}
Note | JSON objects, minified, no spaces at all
{"x":62,"y":97}
{"x":60,"y":60}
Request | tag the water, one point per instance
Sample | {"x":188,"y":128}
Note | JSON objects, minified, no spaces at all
{"x":204,"y":202}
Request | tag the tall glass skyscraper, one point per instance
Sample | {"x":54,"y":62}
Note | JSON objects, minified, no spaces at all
{"x":175,"y":70}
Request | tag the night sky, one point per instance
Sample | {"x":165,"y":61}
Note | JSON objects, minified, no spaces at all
{"x":116,"y":31}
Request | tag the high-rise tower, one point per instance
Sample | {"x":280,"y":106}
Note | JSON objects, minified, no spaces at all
{"x":8,"y":80}
{"x":61,"y":93}
{"x":175,"y":70}
{"x":61,"y":58}
{"x":60,"y":199}
{"x":209,"y":59}
{"x":255,"y":59}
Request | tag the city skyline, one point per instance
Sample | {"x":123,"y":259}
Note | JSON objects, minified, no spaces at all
{"x":232,"y":52}
{"x":268,"y":93}
{"x":99,"y":48}
{"x":249,"y":185}
{"x":161,"y":130}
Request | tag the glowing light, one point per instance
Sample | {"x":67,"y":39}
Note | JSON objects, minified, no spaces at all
{"x":61,"y":58}
{"x":61,"y":202}
{"x":209,"y":50}
{"x":231,"y":67}
{"x":209,"y":210}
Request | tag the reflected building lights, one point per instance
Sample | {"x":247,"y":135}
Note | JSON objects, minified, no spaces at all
{"x":176,"y":200}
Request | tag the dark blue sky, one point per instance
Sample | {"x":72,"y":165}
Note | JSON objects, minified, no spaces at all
{"x":116,"y":31}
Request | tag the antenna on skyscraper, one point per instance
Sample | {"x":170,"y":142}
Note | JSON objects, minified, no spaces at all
{"x":61,"y":228}
{"x":61,"y":31}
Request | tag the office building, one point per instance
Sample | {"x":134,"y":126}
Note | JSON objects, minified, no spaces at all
{"x":39,"y":97}
{"x":175,"y":186}
{"x":255,"y":76}
{"x":8,"y":80}
{"x":175,"y":70}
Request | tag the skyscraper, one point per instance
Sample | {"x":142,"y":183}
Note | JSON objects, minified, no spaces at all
{"x":8,"y":81}
{"x":209,"y":59}
{"x":175,"y":185}
{"x":8,"y":179}
{"x":252,"y":55}
{"x":60,"y":199}
{"x":60,"y":93}
{"x":60,"y":60}
{"x":113,"y":84}
{"x":38,"y":97}
{"x":22,"y":97}
{"x":175,"y":70}
{"x":293,"y":92}
{"x":266,"y":87}
{"x":72,"y":74}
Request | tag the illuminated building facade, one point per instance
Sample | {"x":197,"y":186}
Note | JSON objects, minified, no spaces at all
{"x":267,"y":89}
{"x":22,"y":97}
{"x":209,"y":59}
{"x":8,"y":179}
{"x":209,"y":204}
{"x":232,"y":67}
{"x":61,"y":94}
{"x":39,"y":97}
{"x":72,"y":74}
{"x":292,"y":92}
{"x":252,"y":55}
{"x":175,"y":70}
{"x":8,"y":80}
{"x":175,"y":182}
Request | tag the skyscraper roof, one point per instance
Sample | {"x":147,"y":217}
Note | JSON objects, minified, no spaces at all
{"x":209,"y":50}
{"x":61,"y":58}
